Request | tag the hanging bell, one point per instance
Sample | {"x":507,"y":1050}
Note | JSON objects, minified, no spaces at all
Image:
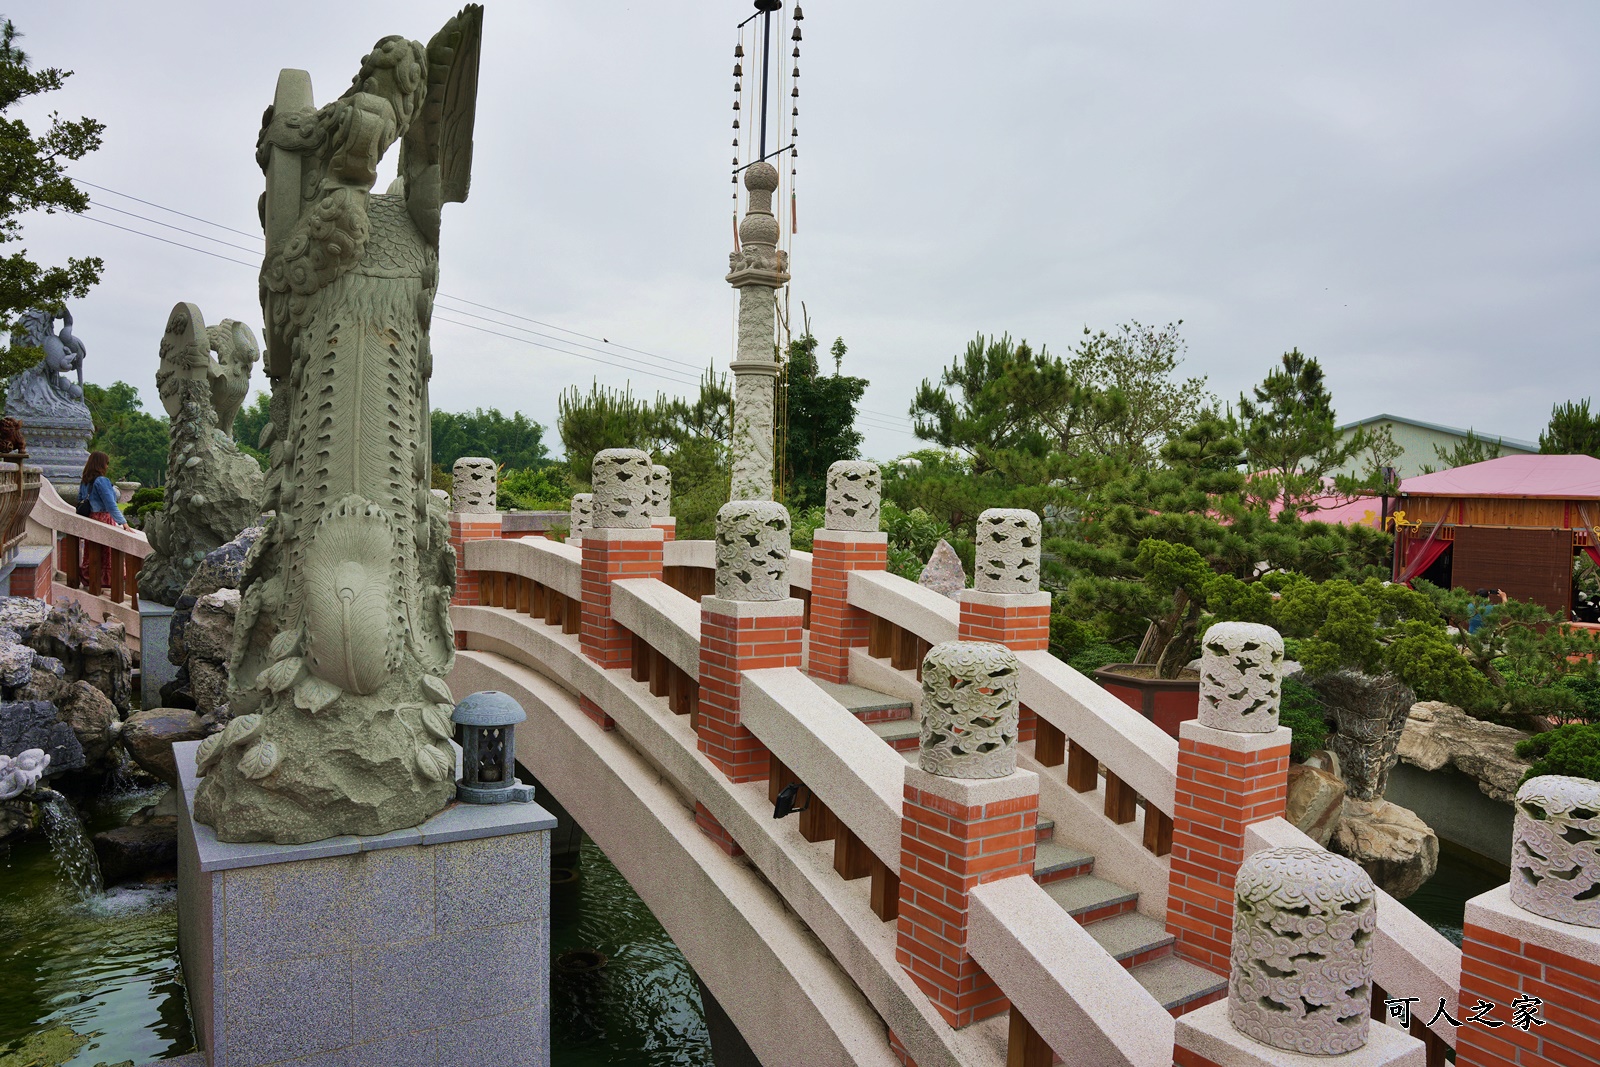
{"x":796,"y":73}
{"x":795,"y":132}
{"x":736,"y":87}
{"x":797,"y":51}
{"x":795,"y":36}
{"x":738,"y":51}
{"x":738,"y":69}
{"x":736,"y":142}
{"x":736,"y":124}
{"x":796,"y":92}
{"x":798,"y":14}
{"x":796,"y":112}
{"x":736,"y":105}
{"x":736,"y":161}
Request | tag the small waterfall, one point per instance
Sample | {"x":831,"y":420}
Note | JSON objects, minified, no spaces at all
{"x":74,"y":853}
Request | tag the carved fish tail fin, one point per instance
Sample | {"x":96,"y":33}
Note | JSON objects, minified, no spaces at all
{"x":355,"y":628}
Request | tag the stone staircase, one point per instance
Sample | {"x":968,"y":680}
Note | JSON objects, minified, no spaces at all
{"x":1107,"y":912}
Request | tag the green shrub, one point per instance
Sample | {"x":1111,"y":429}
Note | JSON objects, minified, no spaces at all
{"x":1573,"y":750}
{"x":1092,"y":658}
{"x":1302,"y":713}
{"x":147,"y":498}
{"x":543,"y":489}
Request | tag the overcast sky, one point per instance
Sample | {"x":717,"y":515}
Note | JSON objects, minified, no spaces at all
{"x":1407,"y":192}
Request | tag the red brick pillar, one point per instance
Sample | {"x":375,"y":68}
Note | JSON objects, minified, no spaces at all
{"x":609,"y":554}
{"x":1512,"y":958}
{"x":836,"y":627}
{"x":668,"y":527}
{"x":955,"y":834}
{"x":1020,"y":621}
{"x":1226,"y":781}
{"x":737,"y":636}
{"x":464,"y":527}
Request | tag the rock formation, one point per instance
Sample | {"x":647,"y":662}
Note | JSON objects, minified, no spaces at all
{"x":49,"y":407}
{"x":1439,"y":735}
{"x":202,"y":678}
{"x":1369,"y":715}
{"x":213,"y":488}
{"x":341,"y":716}
{"x":1391,"y":843}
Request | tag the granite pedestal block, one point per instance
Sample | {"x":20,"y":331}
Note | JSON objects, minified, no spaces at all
{"x":155,"y":670}
{"x":428,"y":946}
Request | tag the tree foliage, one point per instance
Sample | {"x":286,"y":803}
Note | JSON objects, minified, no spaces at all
{"x":136,"y":441}
{"x":514,"y":441}
{"x":1289,"y":433}
{"x":821,"y":420}
{"x":1470,"y":449}
{"x":1138,"y":364}
{"x":1573,"y":430}
{"x":1573,"y":750}
{"x":33,"y":177}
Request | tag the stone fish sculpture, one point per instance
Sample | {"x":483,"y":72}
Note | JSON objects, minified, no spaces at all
{"x":213,"y":487}
{"x":343,"y":639}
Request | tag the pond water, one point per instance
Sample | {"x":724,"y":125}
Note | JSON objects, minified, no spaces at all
{"x":1442,"y":900}
{"x":87,"y":982}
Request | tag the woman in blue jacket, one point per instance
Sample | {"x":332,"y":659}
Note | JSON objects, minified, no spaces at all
{"x":96,"y":488}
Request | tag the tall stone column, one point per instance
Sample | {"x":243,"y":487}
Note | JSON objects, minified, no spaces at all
{"x":757,"y":270}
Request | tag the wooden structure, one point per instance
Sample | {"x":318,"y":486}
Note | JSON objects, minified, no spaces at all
{"x":1513,"y":523}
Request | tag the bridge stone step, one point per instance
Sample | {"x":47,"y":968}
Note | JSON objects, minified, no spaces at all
{"x":1087,"y":898}
{"x":1053,"y":862}
{"x":903,"y":735}
{"x":1179,"y":986}
{"x":868,"y":705}
{"x":1047,"y":829}
{"x":1132,"y":939}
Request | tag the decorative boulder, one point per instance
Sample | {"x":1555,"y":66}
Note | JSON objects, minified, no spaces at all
{"x":475,"y":485}
{"x":753,"y":551}
{"x":855,"y":496}
{"x":1008,"y":550}
{"x":969,"y":710}
{"x":1315,"y":802}
{"x":149,"y":737}
{"x":943,"y":572}
{"x":1241,"y":683}
{"x":93,"y":719}
{"x":621,"y":479}
{"x":1369,"y":715}
{"x":1391,"y":844}
{"x":1555,"y":849}
{"x":1301,"y":978}
{"x":27,"y":724}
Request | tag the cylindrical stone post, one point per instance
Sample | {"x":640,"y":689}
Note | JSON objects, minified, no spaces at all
{"x":1303,"y":927}
{"x":582,"y":519}
{"x":1008,"y":550}
{"x":968,"y":816}
{"x":1241,"y":677}
{"x":619,"y":544}
{"x":1006,"y":607}
{"x":473,"y":517}
{"x":753,"y":551}
{"x":969,"y":710}
{"x":849,"y":541}
{"x":757,"y":270}
{"x":750,"y":623}
{"x":621,"y":478}
{"x":855,"y":496}
{"x":1229,"y":776}
{"x":475,"y":485}
{"x":661,"y":502}
{"x":1555,"y":849}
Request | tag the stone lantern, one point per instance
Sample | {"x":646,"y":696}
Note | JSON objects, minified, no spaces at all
{"x":488,"y":723}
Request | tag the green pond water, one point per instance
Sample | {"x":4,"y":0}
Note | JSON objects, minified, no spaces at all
{"x":99,"y":982}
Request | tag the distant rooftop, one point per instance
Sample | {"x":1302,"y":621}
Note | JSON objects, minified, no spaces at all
{"x":1511,"y":442}
{"x":1559,"y":477}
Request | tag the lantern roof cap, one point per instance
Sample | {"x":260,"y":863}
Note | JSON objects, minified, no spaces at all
{"x":489,"y":708}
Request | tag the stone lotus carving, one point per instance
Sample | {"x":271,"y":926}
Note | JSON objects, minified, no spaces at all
{"x":1008,"y":545}
{"x":753,"y":551}
{"x":19,"y":774}
{"x":475,"y":485}
{"x":621,"y":479}
{"x":214,"y":488}
{"x":1303,"y":924}
{"x":582,"y":514}
{"x":1241,"y":677}
{"x":343,"y":636}
{"x":1555,"y":849}
{"x":969,"y":710}
{"x":855,"y":496}
{"x":660,"y":492}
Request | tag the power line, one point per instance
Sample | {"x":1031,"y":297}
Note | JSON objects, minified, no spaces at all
{"x":192,"y":233}
{"x":563,"y":351}
{"x":163,"y":207}
{"x":164,"y":241}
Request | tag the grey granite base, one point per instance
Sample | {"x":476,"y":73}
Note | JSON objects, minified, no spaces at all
{"x":428,"y":946}
{"x":155,"y":670}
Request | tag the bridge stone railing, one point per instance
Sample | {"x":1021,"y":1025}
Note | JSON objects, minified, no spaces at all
{"x":82,"y":551}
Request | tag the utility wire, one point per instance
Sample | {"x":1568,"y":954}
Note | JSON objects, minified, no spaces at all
{"x":875,"y":419}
